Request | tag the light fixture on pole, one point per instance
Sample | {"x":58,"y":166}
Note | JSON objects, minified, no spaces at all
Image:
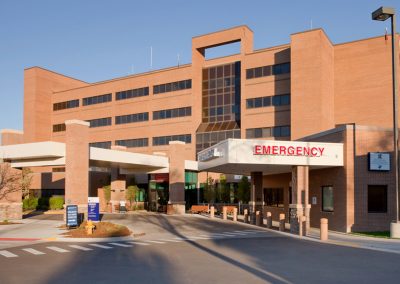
{"x":382,"y":14}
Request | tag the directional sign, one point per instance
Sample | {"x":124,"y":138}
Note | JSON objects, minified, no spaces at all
{"x":72,"y":216}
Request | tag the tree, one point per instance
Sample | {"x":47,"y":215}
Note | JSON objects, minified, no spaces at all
{"x":244,"y":190}
{"x":9,"y":180}
{"x":131,"y":193}
{"x":224,"y":193}
{"x":26,"y":181}
{"x":209,"y":190}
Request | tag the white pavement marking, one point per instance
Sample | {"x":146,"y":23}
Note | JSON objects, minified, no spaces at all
{"x":139,"y":243}
{"x":236,"y":234}
{"x":255,"y":231}
{"x":80,"y":247}
{"x":33,"y":251}
{"x":170,"y":240}
{"x":120,"y":245}
{"x":7,"y":253}
{"x":247,"y":232}
{"x":197,"y":238}
{"x":225,"y":235}
{"x":156,"y":242}
{"x":101,"y":246}
{"x":57,"y":249}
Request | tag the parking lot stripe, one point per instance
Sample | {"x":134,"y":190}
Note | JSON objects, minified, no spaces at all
{"x":33,"y":251}
{"x":80,"y":247}
{"x":101,"y":246}
{"x":170,"y":240}
{"x":139,"y":243}
{"x":156,"y":242}
{"x":7,"y":253}
{"x":57,"y":249}
{"x":121,"y":245}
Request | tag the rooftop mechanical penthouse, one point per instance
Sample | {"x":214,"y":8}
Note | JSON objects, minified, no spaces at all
{"x":309,"y":90}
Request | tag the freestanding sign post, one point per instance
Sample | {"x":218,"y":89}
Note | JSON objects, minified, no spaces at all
{"x":72,"y":216}
{"x":93,"y":209}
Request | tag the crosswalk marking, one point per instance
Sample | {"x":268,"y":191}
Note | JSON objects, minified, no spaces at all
{"x":247,"y":232}
{"x":224,"y":235}
{"x":57,"y":249}
{"x":80,"y":247}
{"x":232,"y":233}
{"x":139,"y":243}
{"x":156,"y":242}
{"x":120,"y":245}
{"x":198,"y":238}
{"x":101,"y":246}
{"x":33,"y":251}
{"x":7,"y":253}
{"x":170,"y":240}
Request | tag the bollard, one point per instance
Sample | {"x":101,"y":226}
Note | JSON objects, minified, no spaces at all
{"x":269,"y":220}
{"x":258,"y":218}
{"x":246,"y":216}
{"x":302,"y":225}
{"x":235,"y":214}
{"x":212,"y":212}
{"x":324,"y":229}
{"x":282,"y":222}
{"x":224,"y":213}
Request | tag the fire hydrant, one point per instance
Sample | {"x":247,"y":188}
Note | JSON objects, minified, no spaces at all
{"x":89,"y":227}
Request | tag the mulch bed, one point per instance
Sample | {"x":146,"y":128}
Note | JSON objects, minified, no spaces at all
{"x":102,"y":230}
{"x":8,"y":223}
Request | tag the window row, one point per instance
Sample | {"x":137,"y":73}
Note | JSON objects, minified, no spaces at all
{"x":133,"y":143}
{"x":268,"y":70}
{"x":164,"y":140}
{"x":128,"y":94}
{"x":174,"y":86}
{"x":66,"y":105}
{"x":130,"y":118}
{"x":98,"y":122}
{"x":279,"y":100}
{"x":59,"y":127}
{"x":171,"y":113}
{"x":265,"y":132}
{"x":104,"y":145}
{"x":96,"y":100}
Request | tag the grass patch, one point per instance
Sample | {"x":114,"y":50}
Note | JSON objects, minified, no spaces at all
{"x":102,"y":230}
{"x":378,"y":234}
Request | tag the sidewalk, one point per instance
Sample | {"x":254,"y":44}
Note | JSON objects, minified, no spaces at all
{"x":338,"y":238}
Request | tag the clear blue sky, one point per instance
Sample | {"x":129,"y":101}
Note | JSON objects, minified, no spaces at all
{"x":95,"y":40}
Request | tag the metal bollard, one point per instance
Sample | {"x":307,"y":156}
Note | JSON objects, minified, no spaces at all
{"x":282,"y":222}
{"x":212,"y":212}
{"x":258,"y":218}
{"x":246,"y":216}
{"x":324,"y":229}
{"x":225,"y":213}
{"x":235,"y":214}
{"x":269,"y":220}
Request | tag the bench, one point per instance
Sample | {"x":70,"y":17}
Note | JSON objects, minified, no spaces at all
{"x":229,"y":209}
{"x":199,"y":209}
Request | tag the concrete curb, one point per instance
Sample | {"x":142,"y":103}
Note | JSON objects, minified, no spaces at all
{"x":305,"y":238}
{"x":89,"y":240}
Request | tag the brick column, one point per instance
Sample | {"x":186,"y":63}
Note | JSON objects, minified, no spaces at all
{"x":118,"y":182}
{"x":176,"y":203}
{"x":256,"y":195}
{"x":300,"y":206}
{"x":77,"y":164}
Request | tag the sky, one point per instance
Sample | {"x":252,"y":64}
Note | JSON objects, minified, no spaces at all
{"x":95,"y":40}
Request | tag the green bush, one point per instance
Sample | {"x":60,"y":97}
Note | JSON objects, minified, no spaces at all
{"x":56,"y":202}
{"x":107,"y":193}
{"x":30,"y":203}
{"x":43,"y":203}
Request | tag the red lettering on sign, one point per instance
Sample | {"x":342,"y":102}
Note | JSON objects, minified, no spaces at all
{"x":257,"y":150}
{"x":290,"y":150}
{"x":321,"y":151}
{"x":314,"y":151}
{"x":298,"y":151}
{"x":282,"y":150}
{"x":274,"y":150}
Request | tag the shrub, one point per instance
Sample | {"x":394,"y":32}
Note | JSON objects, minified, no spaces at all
{"x":56,"y":202}
{"x":43,"y":203}
{"x":30,"y":203}
{"x":107,"y":193}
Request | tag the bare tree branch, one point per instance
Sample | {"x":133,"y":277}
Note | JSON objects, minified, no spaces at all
{"x":10,"y":180}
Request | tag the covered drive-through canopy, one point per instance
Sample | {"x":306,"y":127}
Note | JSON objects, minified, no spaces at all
{"x":243,"y":156}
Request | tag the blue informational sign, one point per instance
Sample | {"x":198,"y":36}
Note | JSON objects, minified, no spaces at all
{"x":93,"y":209}
{"x":72,"y":215}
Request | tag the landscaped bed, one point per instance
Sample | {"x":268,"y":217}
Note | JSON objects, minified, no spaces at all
{"x":380,"y":234}
{"x":6,"y":222}
{"x":102,"y":230}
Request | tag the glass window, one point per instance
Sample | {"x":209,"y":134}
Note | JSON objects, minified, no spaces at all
{"x":276,"y":131}
{"x":377,"y":198}
{"x":285,"y":131}
{"x":266,"y":70}
{"x":258,"y":102}
{"x":258,"y":72}
{"x":327,"y":199}
{"x":266,"y":132}
{"x":285,"y":100}
{"x":273,"y":197}
{"x":249,"y":133}
{"x":266,"y":101}
{"x":249,"y":73}
{"x":276,"y":100}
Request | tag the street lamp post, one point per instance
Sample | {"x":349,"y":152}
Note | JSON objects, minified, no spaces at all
{"x":382,"y":14}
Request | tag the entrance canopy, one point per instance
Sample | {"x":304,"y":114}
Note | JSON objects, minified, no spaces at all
{"x":53,"y":154}
{"x":243,"y":156}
